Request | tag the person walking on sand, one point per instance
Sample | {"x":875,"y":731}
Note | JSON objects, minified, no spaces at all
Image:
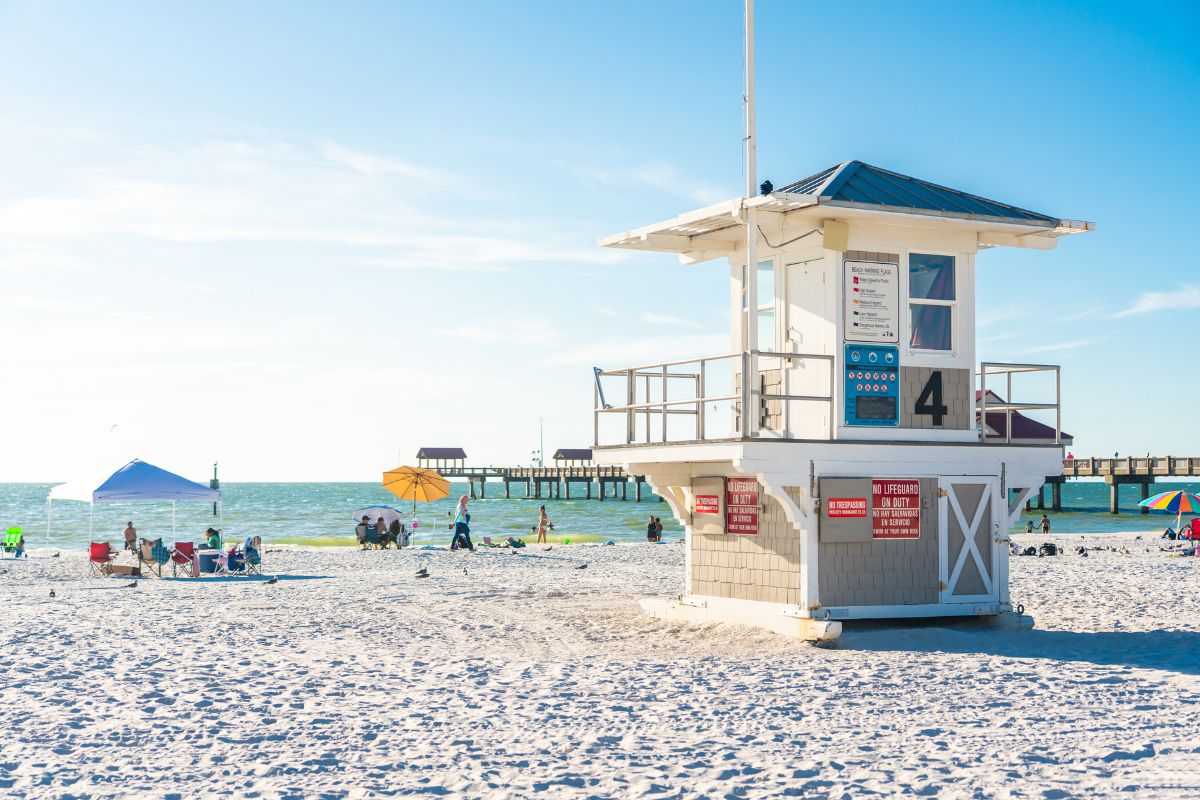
{"x":130,"y":537}
{"x":1045,"y":525}
{"x":461,"y":527}
{"x":544,"y":523}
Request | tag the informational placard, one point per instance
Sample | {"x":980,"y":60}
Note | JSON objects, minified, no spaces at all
{"x":872,"y":301}
{"x":707,"y":504}
{"x":895,"y":509}
{"x":741,"y":506}
{"x":843,"y":507}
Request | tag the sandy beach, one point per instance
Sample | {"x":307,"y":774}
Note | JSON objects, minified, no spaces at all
{"x":521,"y":675}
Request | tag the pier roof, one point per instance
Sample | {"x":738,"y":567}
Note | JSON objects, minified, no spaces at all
{"x":850,"y":191}
{"x":441,"y":452}
{"x":570,"y":454}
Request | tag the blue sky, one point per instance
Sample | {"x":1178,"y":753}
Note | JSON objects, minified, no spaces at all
{"x":305,"y":239}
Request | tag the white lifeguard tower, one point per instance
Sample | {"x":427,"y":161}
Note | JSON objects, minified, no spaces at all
{"x":850,"y":477}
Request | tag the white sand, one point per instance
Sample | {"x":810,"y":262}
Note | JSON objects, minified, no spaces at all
{"x":527,"y":677}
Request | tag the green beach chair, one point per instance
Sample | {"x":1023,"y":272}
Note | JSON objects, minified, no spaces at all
{"x":12,"y":537}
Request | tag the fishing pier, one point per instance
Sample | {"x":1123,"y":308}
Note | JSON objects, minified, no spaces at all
{"x":572,"y":469}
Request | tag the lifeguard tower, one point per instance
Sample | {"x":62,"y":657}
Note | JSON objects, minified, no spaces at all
{"x":847,"y":478}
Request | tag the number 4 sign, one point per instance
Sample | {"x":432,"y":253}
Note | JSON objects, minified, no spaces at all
{"x":929,"y":402}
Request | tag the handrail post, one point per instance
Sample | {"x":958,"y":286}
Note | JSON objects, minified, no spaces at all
{"x":700,"y":404}
{"x":1058,"y":406}
{"x":596,"y":413}
{"x":982,"y":402}
{"x":664,"y":404}
{"x":1008,"y":411}
{"x":631,"y":395}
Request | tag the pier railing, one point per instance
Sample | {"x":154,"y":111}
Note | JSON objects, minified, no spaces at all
{"x":987,"y":408}
{"x":699,"y":399}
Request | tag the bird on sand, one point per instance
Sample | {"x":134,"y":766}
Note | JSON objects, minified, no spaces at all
{"x":130,"y":585}
{"x":52,"y":593}
{"x":582,"y":566}
{"x":274,"y":579}
{"x":423,"y":573}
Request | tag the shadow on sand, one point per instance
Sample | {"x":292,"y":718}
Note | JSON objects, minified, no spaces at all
{"x":1175,"y":651}
{"x":245,"y":578}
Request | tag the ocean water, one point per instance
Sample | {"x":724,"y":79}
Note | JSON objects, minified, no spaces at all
{"x":321,"y":514}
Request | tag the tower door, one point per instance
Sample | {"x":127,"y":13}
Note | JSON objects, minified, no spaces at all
{"x":808,"y":330}
{"x":970,"y":515}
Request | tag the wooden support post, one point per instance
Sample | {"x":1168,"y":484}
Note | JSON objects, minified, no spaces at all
{"x":528,"y":487}
{"x":507,"y":488}
{"x":1145,"y":496}
{"x":637,"y":489}
{"x":568,"y":490}
{"x":471,"y":483}
{"x":625,"y":489}
{"x":1056,"y":496}
{"x":588,"y":486}
{"x":483,"y":487}
{"x":1113,"y":498}
{"x":600,"y":481}
{"x":1041,"y":495}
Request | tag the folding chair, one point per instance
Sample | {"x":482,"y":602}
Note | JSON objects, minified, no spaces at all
{"x":100,"y":556}
{"x":12,"y":537}
{"x":183,"y":558}
{"x":154,"y":555}
{"x":253,"y":562}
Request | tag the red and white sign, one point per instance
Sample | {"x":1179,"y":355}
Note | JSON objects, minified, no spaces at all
{"x":707,"y":504}
{"x":741,"y":506}
{"x":895,"y":509}
{"x":847,"y":507}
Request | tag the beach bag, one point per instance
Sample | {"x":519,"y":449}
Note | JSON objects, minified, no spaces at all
{"x":1048,"y":549}
{"x":1029,"y":551}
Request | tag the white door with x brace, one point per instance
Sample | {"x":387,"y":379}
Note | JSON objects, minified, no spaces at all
{"x":969,"y":519}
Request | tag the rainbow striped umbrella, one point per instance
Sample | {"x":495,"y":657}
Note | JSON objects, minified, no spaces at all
{"x":1179,"y":501}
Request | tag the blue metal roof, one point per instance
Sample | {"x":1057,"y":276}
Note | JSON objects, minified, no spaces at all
{"x":856,"y":183}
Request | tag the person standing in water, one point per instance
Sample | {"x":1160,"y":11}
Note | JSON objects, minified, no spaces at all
{"x":544,"y":523}
{"x":461,"y":527}
{"x":130,"y":537}
{"x":1045,"y":524}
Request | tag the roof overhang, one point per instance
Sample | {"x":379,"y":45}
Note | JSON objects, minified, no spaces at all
{"x":717,"y":230}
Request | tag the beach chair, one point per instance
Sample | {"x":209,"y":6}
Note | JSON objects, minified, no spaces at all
{"x":154,"y":555}
{"x":253,"y":562}
{"x":183,"y":558}
{"x":12,"y":537}
{"x":371,"y":538}
{"x":1195,"y":528}
{"x":100,"y":556}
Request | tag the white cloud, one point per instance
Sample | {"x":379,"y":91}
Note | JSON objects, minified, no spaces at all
{"x":504,"y":332}
{"x":1059,"y":346}
{"x":1186,"y":296}
{"x":657,"y":175}
{"x":666,"y":319}
{"x":614,"y":354}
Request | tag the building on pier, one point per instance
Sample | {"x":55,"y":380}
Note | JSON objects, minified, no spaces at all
{"x":848,"y":477}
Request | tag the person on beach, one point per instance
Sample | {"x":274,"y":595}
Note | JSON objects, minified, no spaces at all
{"x":543,"y":523}
{"x":461,"y":527}
{"x":130,"y":537}
{"x":395,"y":531}
{"x":1029,"y":526}
{"x":360,"y":530}
{"x":213,"y":542}
{"x":382,"y":529}
{"x":652,"y":534}
{"x":658,"y":529}
{"x":1045,"y":525}
{"x":20,"y":549}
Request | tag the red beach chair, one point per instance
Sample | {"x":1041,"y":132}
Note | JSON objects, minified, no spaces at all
{"x":182,"y":556}
{"x":1195,"y":530}
{"x":100,"y":555}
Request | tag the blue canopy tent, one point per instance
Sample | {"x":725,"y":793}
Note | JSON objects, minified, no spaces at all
{"x":137,"y":480}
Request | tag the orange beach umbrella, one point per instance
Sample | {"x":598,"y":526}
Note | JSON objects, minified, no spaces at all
{"x":416,"y":484}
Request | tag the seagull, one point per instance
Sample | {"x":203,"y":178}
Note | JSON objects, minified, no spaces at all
{"x":56,"y":554}
{"x":548,"y":549}
{"x":582,"y":566}
{"x":464,"y":570}
{"x":423,"y":573}
{"x":52,"y":593}
{"x":274,"y":579}
{"x":130,"y":585}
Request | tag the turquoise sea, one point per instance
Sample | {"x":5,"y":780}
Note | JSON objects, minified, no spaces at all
{"x":320,"y":514}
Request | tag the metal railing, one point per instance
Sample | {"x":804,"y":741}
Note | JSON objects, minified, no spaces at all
{"x":647,"y":395}
{"x":1008,"y":405}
